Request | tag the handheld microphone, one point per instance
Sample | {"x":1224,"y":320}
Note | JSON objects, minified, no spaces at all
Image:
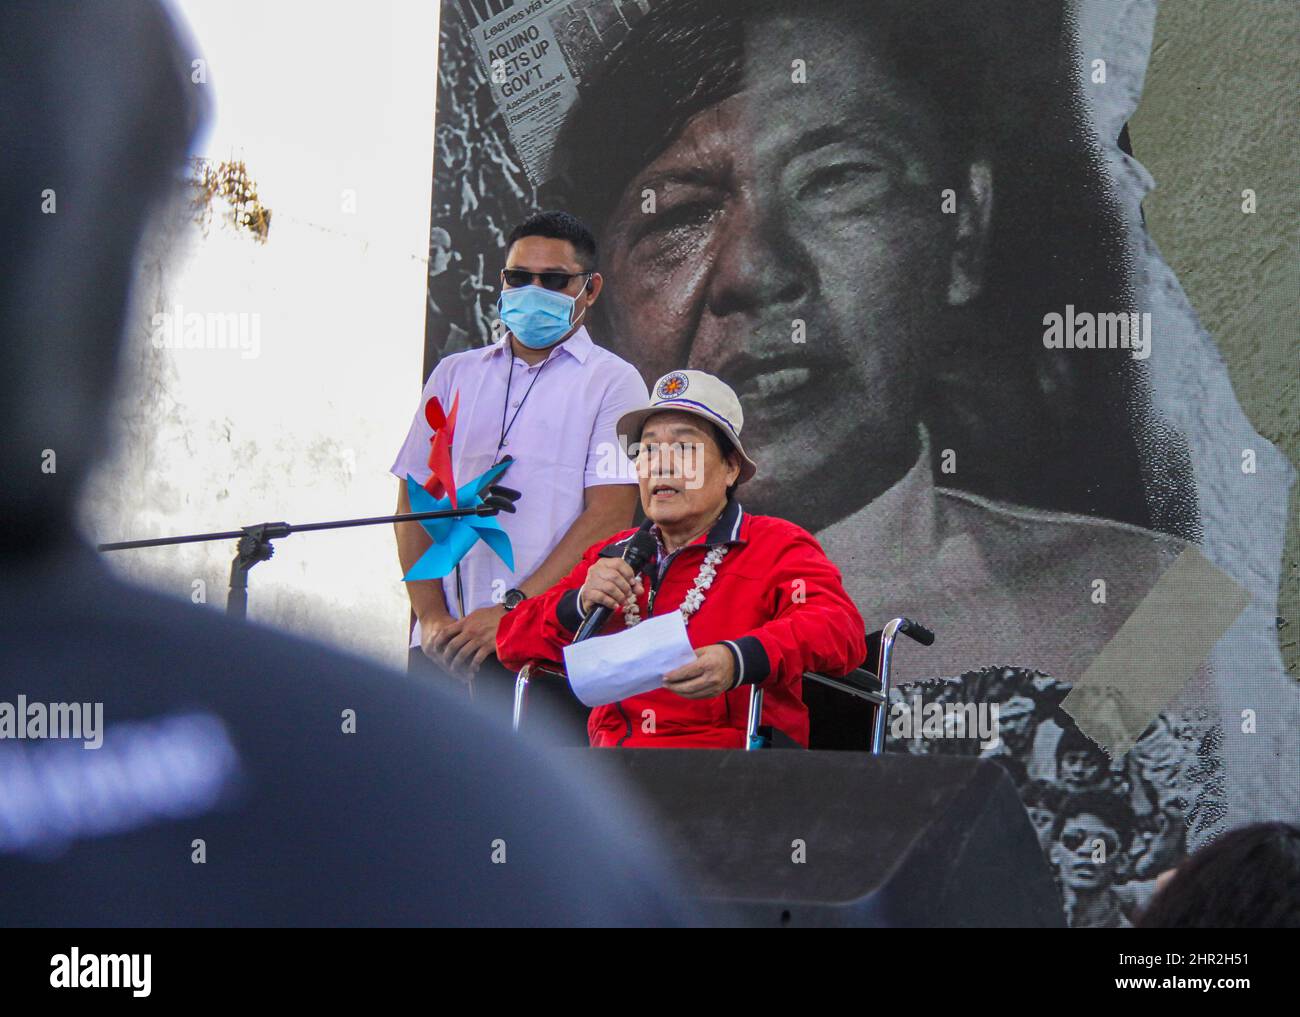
{"x":640,"y":549}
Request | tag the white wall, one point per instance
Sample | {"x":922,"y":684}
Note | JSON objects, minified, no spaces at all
{"x":318,"y":101}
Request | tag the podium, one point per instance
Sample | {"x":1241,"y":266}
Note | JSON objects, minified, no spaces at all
{"x":842,"y":839}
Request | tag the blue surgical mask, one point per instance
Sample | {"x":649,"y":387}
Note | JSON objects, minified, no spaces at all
{"x":538,"y":317}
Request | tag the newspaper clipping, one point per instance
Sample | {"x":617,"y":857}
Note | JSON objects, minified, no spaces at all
{"x":533,"y":54}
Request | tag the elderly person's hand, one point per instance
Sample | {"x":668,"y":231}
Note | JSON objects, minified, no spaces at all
{"x":709,"y":674}
{"x":610,"y":583}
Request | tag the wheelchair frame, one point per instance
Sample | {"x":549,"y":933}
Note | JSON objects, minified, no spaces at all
{"x":859,"y":683}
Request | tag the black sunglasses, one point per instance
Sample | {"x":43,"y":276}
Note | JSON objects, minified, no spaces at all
{"x":1075,"y":839}
{"x":549,"y":280}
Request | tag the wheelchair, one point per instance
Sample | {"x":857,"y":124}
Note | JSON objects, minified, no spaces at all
{"x":844,"y":714}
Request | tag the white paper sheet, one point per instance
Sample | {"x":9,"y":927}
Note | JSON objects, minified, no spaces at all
{"x":605,"y":669}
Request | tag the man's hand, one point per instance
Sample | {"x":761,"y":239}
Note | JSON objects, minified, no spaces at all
{"x":610,"y":583}
{"x":461,"y":645}
{"x":709,"y":674}
{"x":471,"y":641}
{"x":436,"y":631}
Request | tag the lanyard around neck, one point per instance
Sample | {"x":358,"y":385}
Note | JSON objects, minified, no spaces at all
{"x":505,"y":407}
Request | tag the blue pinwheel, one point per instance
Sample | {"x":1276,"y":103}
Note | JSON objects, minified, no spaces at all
{"x":452,"y":538}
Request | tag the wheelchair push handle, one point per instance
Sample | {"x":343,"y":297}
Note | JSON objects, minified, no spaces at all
{"x":917,"y":631}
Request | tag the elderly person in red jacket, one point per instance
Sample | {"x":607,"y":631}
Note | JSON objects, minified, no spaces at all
{"x":762,"y":602}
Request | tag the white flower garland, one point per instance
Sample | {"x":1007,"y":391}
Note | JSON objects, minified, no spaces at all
{"x":694,"y":596}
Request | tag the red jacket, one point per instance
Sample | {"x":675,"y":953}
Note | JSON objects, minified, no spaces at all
{"x":777,"y":600}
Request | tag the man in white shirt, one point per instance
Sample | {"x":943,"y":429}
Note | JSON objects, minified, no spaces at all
{"x":548,"y":397}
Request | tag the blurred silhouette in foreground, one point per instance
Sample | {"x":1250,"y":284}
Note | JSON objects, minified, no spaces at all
{"x":1246,"y":879}
{"x":207,"y":771}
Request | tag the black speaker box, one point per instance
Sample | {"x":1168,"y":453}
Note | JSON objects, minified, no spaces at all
{"x":773,"y":838}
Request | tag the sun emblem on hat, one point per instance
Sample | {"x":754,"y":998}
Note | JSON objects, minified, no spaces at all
{"x":672,"y":386}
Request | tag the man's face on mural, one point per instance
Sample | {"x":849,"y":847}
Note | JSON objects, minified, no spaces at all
{"x":797,"y":248}
{"x":1080,"y":769}
{"x":1016,"y":725}
{"x":1088,"y":853}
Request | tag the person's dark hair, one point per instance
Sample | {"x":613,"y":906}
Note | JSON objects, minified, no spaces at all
{"x":558,"y":226}
{"x":687,"y":55}
{"x":1249,"y":878}
{"x":1074,"y":740}
{"x":729,"y":453}
{"x":1041,"y":794}
{"x":1107,"y":806}
{"x":1057,"y":235}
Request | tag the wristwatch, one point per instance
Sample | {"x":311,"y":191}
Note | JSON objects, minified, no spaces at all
{"x":513,"y":599}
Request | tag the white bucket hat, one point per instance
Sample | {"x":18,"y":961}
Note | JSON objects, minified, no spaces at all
{"x":701,"y":395}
